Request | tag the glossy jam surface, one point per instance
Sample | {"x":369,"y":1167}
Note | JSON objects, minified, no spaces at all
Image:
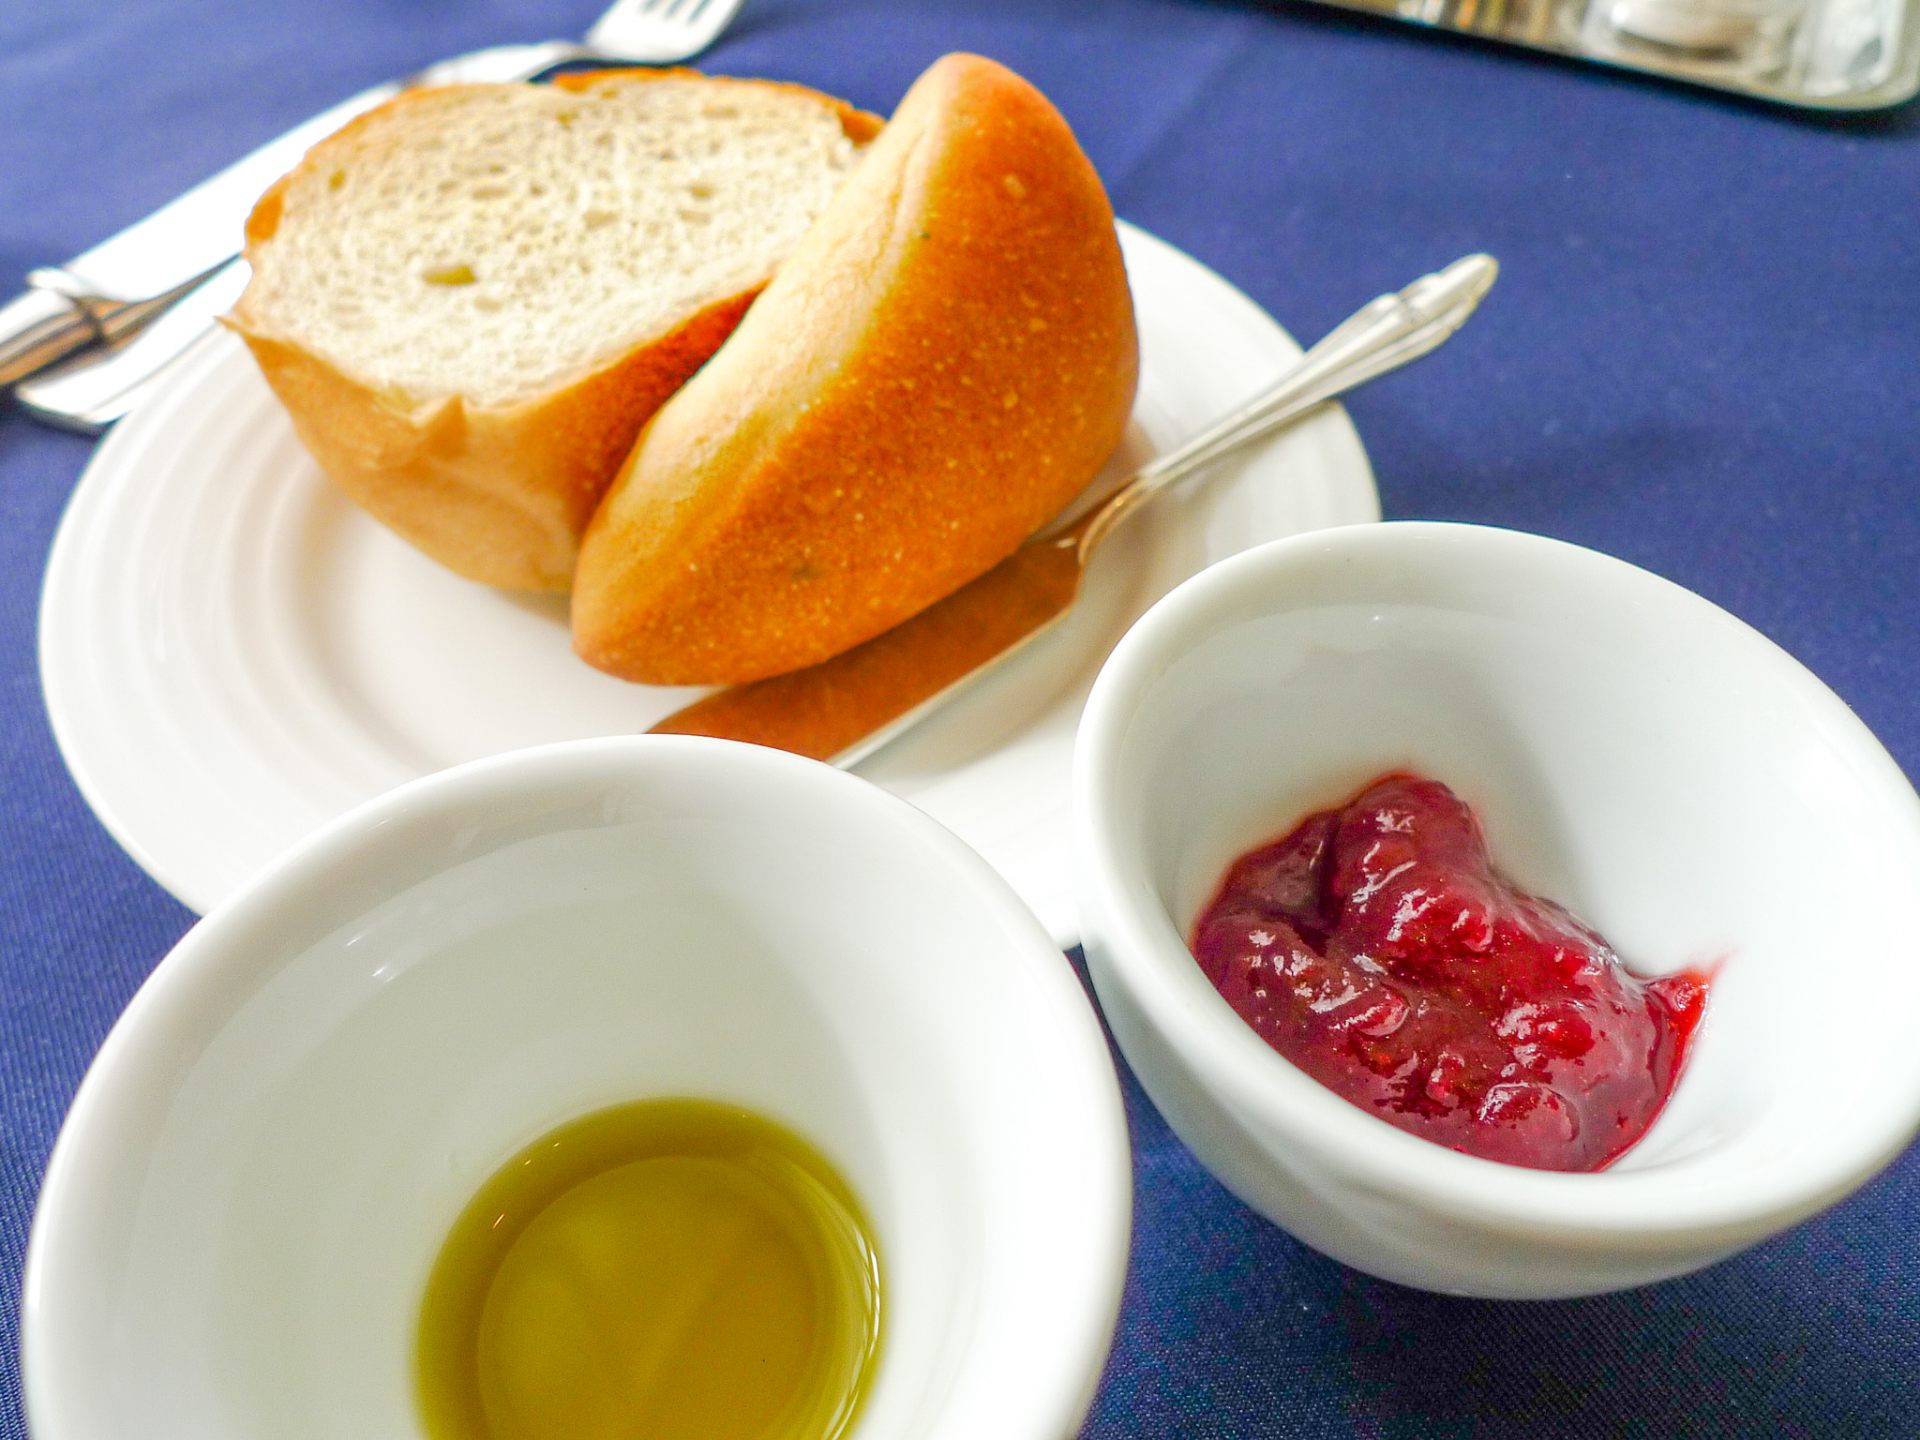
{"x":1376,"y":947}
{"x":668,"y":1269}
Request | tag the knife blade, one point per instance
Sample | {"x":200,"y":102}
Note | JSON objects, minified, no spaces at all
{"x":847,"y":707}
{"x":843,"y":709}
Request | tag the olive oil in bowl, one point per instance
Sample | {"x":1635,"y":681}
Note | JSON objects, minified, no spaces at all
{"x":668,"y":1268}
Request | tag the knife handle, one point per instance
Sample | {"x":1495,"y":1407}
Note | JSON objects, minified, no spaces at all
{"x":145,"y":340}
{"x":1380,"y":336}
{"x":59,"y":315}
{"x":40,"y":328}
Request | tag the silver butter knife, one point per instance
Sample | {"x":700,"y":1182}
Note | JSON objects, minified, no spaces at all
{"x":184,"y":253}
{"x":845,"y":708}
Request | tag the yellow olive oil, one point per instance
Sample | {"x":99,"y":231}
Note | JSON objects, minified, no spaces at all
{"x":662,"y":1269}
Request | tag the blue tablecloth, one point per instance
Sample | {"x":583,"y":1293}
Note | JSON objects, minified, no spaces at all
{"x":1704,"y":356}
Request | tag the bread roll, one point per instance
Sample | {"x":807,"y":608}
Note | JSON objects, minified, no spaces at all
{"x":471,"y":299}
{"x":945,"y":360}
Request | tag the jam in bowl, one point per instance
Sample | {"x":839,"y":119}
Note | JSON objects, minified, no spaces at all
{"x":1375,"y":946}
{"x":1635,"y":758}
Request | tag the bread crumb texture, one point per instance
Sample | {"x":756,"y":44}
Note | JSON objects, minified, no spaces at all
{"x":492,"y":241}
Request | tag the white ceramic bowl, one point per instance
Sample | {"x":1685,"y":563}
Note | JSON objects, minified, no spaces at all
{"x":238,"y":1219}
{"x":1636,"y":754}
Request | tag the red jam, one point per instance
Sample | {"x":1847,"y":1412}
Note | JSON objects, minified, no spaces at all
{"x":1378,"y":950}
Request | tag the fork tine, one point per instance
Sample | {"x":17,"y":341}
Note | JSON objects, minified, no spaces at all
{"x":719,"y":14}
{"x":660,"y":31}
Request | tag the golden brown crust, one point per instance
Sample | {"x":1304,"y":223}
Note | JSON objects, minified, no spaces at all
{"x":945,"y":361}
{"x":499,"y":494}
{"x":857,"y":125}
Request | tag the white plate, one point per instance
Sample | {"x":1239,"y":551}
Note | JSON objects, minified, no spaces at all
{"x":232,"y":654}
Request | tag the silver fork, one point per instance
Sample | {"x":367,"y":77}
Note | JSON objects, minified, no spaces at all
{"x":128,"y":345}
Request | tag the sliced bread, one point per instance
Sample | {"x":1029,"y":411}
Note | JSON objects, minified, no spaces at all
{"x":942,"y":364}
{"x":472,"y":298}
